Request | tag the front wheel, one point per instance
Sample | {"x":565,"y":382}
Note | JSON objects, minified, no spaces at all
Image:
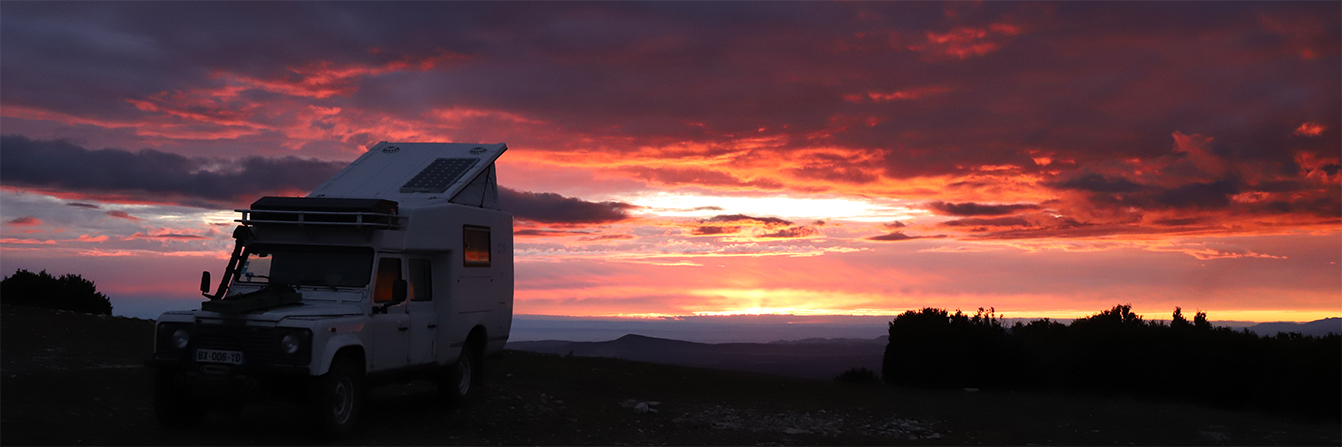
{"x":335,"y":398}
{"x":173,"y":405}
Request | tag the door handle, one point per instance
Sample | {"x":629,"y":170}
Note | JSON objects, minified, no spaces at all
{"x":403,"y":328}
{"x":431,"y":326}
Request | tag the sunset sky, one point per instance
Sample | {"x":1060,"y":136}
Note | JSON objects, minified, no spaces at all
{"x":1046,"y":159}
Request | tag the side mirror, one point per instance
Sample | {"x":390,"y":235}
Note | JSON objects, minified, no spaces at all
{"x":398,"y":292}
{"x":205,"y":282}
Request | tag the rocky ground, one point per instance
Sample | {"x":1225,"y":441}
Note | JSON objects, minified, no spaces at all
{"x":72,"y":379}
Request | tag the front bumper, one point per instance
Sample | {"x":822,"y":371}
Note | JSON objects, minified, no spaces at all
{"x":222,"y":368}
{"x":224,"y":382}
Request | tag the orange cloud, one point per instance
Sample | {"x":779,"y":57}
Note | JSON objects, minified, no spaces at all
{"x":896,"y":95}
{"x":1310,"y":129}
{"x":323,"y":79}
{"x":87,"y":238}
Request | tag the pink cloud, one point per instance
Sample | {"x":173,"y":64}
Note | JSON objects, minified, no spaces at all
{"x":165,"y":236}
{"x":965,"y":42}
{"x":26,"y":221}
{"x":10,"y":240}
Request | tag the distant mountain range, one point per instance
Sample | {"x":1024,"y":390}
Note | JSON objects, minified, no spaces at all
{"x":1316,"y":328}
{"x":810,"y":358}
{"x":813,"y":358}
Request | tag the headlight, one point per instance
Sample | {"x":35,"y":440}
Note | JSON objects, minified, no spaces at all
{"x":180,"y":338}
{"x":173,"y":337}
{"x":290,"y":344}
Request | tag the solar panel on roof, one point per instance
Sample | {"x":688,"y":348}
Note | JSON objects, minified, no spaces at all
{"x":439,"y":175}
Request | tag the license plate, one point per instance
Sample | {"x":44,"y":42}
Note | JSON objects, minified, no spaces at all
{"x":217,"y":356}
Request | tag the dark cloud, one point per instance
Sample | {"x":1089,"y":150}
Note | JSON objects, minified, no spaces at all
{"x":901,"y":235}
{"x":25,"y":221}
{"x":1210,"y":195}
{"x":1098,"y":183}
{"x":1327,"y":205}
{"x":150,"y":175}
{"x":548,"y":207}
{"x":895,"y":224}
{"x":709,"y":231}
{"x":1179,"y":222}
{"x":606,"y":237}
{"x":793,"y":232}
{"x":978,"y":209}
{"x":82,"y":205}
{"x":989,"y":222}
{"x":121,"y":215}
{"x":891,"y":236}
{"x":538,"y":232}
{"x":729,"y":218}
{"x":773,"y":227}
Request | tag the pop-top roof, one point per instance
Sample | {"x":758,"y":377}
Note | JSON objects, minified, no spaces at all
{"x":408,"y":171}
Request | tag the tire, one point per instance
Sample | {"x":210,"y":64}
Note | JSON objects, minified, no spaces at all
{"x":335,"y":399}
{"x":463,"y":377}
{"x":173,"y":405}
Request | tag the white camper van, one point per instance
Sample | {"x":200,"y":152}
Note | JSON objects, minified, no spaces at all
{"x":398,"y":267}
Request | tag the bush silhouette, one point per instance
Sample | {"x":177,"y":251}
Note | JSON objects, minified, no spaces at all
{"x":932,"y":347}
{"x":1116,"y":351}
{"x":858,"y":375}
{"x":68,"y":292}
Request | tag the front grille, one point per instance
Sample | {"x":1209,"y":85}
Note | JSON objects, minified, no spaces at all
{"x":259,"y":345}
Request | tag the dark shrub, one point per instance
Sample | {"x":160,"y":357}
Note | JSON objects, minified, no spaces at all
{"x":858,"y":375}
{"x":68,"y":292}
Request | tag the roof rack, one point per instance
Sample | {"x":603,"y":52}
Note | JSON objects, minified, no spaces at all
{"x":357,"y":219}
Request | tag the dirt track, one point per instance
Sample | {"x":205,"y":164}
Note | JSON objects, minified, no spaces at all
{"x":75,"y":379}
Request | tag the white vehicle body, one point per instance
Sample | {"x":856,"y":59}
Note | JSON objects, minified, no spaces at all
{"x":321,"y":273}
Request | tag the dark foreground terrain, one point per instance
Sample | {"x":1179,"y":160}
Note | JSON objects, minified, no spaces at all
{"x":76,"y":379}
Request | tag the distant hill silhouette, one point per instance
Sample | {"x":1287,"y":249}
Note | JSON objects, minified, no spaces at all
{"x":815,"y":358}
{"x":1316,"y":328}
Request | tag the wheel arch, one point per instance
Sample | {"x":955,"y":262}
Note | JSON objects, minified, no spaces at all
{"x":343,"y":344}
{"x":476,"y":341}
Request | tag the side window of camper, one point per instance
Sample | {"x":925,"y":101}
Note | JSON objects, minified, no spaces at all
{"x":476,"y":245}
{"x":421,"y":280}
{"x":388,"y":271}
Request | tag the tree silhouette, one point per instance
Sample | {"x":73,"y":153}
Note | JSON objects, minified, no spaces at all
{"x":1116,"y":351}
{"x":67,"y":292}
{"x":1178,"y":321}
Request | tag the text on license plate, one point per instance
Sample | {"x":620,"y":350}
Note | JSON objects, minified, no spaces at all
{"x":217,"y":356}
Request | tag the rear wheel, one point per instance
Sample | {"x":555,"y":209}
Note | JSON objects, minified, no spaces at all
{"x":460,"y":384}
{"x":336,"y":398}
{"x":173,"y":405}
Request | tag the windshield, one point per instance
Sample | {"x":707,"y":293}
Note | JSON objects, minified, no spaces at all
{"x":304,"y":265}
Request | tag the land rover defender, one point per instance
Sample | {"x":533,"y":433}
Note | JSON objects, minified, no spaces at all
{"x":398,"y":267}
